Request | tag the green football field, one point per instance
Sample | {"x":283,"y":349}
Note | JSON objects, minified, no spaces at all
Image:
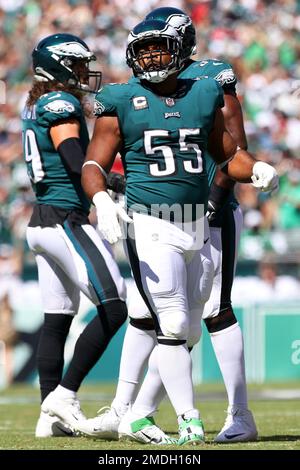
{"x":276,"y":410}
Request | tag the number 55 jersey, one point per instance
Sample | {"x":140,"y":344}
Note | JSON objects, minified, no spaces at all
{"x":164,"y":140}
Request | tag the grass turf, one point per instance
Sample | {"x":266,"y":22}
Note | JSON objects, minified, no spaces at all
{"x":277,"y":421}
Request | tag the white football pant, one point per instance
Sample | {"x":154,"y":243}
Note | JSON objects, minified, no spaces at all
{"x":73,"y":258}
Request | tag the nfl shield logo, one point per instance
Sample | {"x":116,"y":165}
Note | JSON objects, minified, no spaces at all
{"x":170,"y":102}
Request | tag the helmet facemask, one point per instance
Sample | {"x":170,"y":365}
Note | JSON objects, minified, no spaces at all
{"x":148,"y":54}
{"x":82,"y":77}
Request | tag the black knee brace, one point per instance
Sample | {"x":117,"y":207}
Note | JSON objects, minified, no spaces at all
{"x":170,"y":341}
{"x":224,"y":319}
{"x":146,"y":324}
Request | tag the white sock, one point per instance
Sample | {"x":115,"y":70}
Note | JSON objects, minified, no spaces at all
{"x":188,"y":415}
{"x":63,"y":392}
{"x":229,"y":349}
{"x":119,"y":408}
{"x":137,"y":347}
{"x":175,"y":369}
{"x":152,"y":390}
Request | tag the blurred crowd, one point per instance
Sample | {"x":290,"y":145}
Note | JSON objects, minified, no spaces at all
{"x":260,"y":38}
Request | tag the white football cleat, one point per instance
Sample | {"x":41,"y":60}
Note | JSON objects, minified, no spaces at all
{"x":191,"y":431}
{"x":67,"y":409}
{"x":239,"y":426}
{"x":105,"y":425}
{"x":143,"y":430}
{"x":51,"y":426}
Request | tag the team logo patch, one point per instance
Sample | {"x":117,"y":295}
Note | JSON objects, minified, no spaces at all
{"x":140,"y":102}
{"x":99,"y":108}
{"x":59,"y":107}
{"x":226,"y":76}
{"x":74,"y":49}
{"x":174,"y":114}
{"x":170,"y":102}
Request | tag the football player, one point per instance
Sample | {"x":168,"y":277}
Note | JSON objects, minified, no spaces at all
{"x":225,"y":219}
{"x":165,"y":157}
{"x":70,"y":255}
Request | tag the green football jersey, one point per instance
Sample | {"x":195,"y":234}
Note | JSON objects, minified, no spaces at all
{"x":223,"y":73}
{"x":164,"y":140}
{"x":50,"y":180}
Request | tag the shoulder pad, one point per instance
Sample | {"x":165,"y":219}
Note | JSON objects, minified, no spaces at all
{"x":226,"y":77}
{"x":56,"y":106}
{"x":108,"y":98}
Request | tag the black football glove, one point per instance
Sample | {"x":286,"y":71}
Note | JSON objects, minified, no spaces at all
{"x":116,"y":182}
{"x":212,"y":210}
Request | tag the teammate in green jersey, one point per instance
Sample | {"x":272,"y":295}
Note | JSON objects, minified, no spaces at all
{"x":164,"y":149}
{"x":70,"y":255}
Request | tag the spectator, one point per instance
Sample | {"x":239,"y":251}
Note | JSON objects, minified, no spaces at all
{"x":260,"y":38}
{"x":289,"y":209}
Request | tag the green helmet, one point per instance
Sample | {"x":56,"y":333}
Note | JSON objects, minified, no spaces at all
{"x":65,"y":58}
{"x":154,"y":32}
{"x":182,"y":23}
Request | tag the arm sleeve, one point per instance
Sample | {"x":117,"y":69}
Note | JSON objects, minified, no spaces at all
{"x":72,"y":155}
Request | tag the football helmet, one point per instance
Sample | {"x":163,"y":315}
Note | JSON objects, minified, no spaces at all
{"x":182,"y":23}
{"x":148,"y":64}
{"x":65,"y":58}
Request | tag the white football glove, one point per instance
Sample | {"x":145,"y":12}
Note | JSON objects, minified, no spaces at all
{"x":264,"y":177}
{"x":108,"y":215}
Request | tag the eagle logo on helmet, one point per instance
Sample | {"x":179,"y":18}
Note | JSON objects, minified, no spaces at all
{"x":73,"y":49}
{"x":178,"y":21}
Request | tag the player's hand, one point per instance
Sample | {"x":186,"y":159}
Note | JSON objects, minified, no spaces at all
{"x":108,"y":214}
{"x":265,"y":177}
